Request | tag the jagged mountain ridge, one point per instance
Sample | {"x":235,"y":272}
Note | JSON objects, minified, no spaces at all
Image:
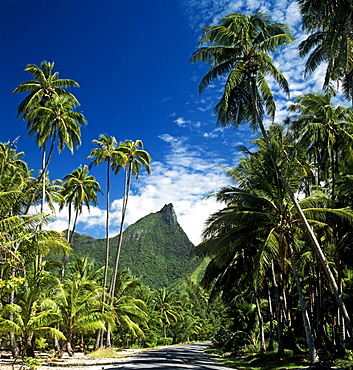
{"x":155,"y":248}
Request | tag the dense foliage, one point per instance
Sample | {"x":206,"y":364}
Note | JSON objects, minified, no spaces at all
{"x":52,"y":298}
{"x":279,"y":267}
{"x":279,"y":248}
{"x":155,"y":249}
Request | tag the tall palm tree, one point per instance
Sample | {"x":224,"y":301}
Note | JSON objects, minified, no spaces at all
{"x":45,"y":90}
{"x":44,"y":86}
{"x":168,"y":305}
{"x":239,"y":50}
{"x":78,"y":189}
{"x":330,"y":24}
{"x":135,"y":158}
{"x":106,"y":151}
{"x":259,"y":215}
{"x":57,"y":121}
{"x":326,"y":130}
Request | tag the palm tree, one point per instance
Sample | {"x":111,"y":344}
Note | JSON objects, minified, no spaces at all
{"x":330,"y":41}
{"x":47,"y":90}
{"x":168,"y":305}
{"x":243,"y":57}
{"x":135,"y":158}
{"x":11,"y":160}
{"x":44,"y":86}
{"x":258,"y":214}
{"x":325,"y":130}
{"x":78,"y":189}
{"x":57,"y":121}
{"x":14,"y":177}
{"x":106,"y":152}
{"x":79,"y":302}
{"x":33,"y":313}
{"x":129,"y":311}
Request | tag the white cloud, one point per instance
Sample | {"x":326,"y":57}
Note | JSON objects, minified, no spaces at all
{"x":184,"y":178}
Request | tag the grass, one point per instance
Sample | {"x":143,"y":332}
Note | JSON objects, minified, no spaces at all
{"x":111,"y":353}
{"x":268,"y":361}
{"x":106,"y":353}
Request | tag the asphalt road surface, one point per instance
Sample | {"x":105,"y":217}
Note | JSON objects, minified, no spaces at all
{"x":188,"y":356}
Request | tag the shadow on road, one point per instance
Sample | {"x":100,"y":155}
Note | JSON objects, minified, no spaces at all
{"x":189,"y":356}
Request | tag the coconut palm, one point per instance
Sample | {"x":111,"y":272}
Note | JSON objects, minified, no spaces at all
{"x":79,"y":302}
{"x":46,"y":90}
{"x":15,"y":177}
{"x":32,"y":314}
{"x":326,"y":130}
{"x":242,"y":57}
{"x":106,"y":151}
{"x":135,"y":158}
{"x":57,"y":121}
{"x":259,"y":214}
{"x":78,"y":189}
{"x":330,"y":24}
{"x":168,"y":305}
{"x":43,"y":88}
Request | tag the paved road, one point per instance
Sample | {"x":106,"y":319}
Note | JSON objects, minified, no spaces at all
{"x":189,"y":356}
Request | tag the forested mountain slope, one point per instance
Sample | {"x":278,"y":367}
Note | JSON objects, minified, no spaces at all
{"x":155,"y":249}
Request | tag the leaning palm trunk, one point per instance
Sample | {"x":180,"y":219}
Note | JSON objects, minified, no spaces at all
{"x":261,"y":324}
{"x":303,"y":219}
{"x":308,"y":332}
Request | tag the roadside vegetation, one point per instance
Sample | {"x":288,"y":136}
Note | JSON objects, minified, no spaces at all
{"x":277,"y":290}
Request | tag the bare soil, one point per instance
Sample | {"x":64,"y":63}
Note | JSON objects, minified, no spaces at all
{"x":79,"y":361}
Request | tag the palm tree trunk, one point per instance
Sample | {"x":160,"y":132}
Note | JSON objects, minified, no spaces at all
{"x":45,"y":165}
{"x":73,"y":227}
{"x":39,"y":256}
{"x":14,"y":347}
{"x":305,"y":222}
{"x":271,"y":337}
{"x":106,"y":266}
{"x":68,"y":238}
{"x":261,"y":324}
{"x":99,"y":338}
{"x":307,"y":327}
{"x":278,"y":309}
{"x":127,"y":184}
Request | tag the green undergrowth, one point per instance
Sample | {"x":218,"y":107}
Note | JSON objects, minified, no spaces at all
{"x":268,"y":361}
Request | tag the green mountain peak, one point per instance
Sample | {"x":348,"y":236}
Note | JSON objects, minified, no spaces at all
{"x":155,"y":248}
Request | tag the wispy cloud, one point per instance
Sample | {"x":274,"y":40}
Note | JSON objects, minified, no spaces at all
{"x":185,"y":176}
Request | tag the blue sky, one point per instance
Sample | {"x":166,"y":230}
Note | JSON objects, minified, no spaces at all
{"x":131,"y":60}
